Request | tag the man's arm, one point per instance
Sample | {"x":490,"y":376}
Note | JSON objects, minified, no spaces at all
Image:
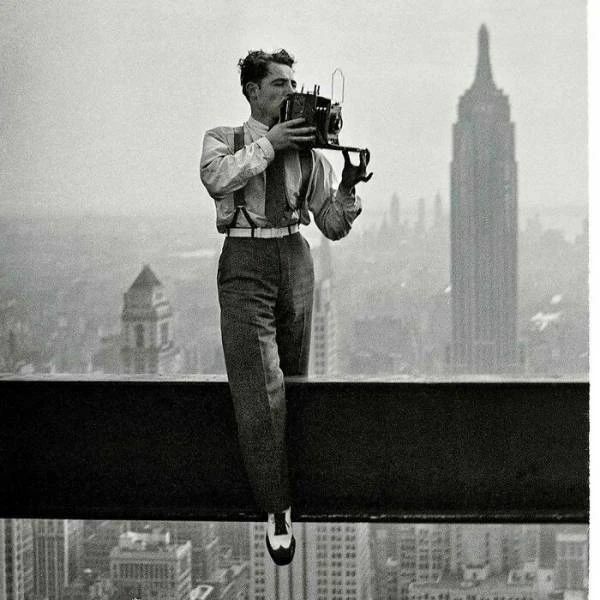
{"x":223,"y":172}
{"x":335,"y":207}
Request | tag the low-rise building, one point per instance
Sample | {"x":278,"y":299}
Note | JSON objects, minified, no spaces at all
{"x":476,"y":583}
{"x":149,"y":566}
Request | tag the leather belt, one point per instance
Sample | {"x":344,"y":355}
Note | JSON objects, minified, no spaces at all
{"x":263,"y":232}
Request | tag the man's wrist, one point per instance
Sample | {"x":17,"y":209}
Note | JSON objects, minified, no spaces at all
{"x":345,"y":189}
{"x":267,"y":147}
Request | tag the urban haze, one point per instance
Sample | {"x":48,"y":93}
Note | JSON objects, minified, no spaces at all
{"x":104,"y":108}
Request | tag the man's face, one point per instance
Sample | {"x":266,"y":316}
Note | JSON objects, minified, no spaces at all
{"x":266,"y":98}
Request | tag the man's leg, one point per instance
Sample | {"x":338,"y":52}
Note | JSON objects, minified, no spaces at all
{"x":248,"y":282}
{"x":293,"y":311}
{"x":293,"y":322}
{"x":294,"y":306}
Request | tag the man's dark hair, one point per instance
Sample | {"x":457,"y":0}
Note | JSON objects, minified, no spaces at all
{"x":256,"y":65}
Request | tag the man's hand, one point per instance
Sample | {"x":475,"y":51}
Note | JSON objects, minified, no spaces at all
{"x":352,"y":174}
{"x":289,"y":135}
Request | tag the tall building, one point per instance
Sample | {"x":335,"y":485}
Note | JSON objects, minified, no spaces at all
{"x":473,"y":544}
{"x":203,"y":536}
{"x":332,"y":562}
{"x":324,"y":350}
{"x":484,"y":227}
{"x":284,"y":583}
{"x":89,"y":587}
{"x":403,"y":554}
{"x":8,"y":338}
{"x":422,"y":551}
{"x":16,"y":559}
{"x":235,"y":536}
{"x":571,"y":569}
{"x":547,"y":557}
{"x":477,"y":583}
{"x":383,"y":562}
{"x":230,"y":583}
{"x":521,"y":545}
{"x":98,"y":544}
{"x":390,"y":583}
{"x":205,"y":546}
{"x":149,"y":566}
{"x":342,"y":563}
{"x":420,"y":224}
{"x":438,"y":214}
{"x":57,"y":555}
{"x":147,"y":328}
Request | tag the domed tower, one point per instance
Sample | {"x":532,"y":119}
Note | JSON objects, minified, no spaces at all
{"x":147,"y":328}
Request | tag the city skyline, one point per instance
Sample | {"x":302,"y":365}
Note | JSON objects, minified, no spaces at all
{"x":422,"y":278}
{"x":104,"y":107}
{"x":60,"y":311}
{"x":66,"y":559}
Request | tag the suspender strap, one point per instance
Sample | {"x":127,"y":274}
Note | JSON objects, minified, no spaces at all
{"x":306,"y":166}
{"x":239,"y":201}
{"x":238,"y":144}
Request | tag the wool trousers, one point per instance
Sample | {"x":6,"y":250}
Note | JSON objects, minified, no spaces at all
{"x":266,"y":295}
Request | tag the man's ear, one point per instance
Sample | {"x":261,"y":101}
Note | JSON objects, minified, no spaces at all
{"x":251,"y":89}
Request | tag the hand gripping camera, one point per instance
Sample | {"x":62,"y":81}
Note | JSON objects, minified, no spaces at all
{"x":319,"y":112}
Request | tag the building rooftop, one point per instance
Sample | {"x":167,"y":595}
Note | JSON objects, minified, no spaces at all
{"x":572,"y":537}
{"x":489,"y":584}
{"x":157,"y":541}
{"x":146,"y":279}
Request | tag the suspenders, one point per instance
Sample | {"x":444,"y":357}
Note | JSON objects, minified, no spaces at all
{"x":306,"y":165}
{"x":239,"y":200}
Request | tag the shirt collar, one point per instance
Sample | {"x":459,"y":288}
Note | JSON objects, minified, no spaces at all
{"x":257,"y":128}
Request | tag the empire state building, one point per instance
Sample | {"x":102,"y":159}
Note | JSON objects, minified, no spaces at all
{"x":483,"y":193}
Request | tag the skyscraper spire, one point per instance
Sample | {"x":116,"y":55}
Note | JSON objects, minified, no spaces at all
{"x":483,"y":75}
{"x":484,"y":228}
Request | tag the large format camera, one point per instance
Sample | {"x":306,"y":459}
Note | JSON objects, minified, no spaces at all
{"x":319,"y":112}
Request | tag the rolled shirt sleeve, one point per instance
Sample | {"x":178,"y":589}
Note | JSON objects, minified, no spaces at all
{"x":334,"y":209}
{"x":223,"y":172}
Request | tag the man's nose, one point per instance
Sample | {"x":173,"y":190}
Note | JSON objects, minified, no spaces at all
{"x":289,"y":88}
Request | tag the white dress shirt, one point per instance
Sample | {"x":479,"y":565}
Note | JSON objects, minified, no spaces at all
{"x":223,"y":172}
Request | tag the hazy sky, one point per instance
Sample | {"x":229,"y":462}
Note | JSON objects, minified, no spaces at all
{"x":103,"y":104}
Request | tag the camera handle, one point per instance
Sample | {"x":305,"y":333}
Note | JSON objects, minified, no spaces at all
{"x":338,"y":70}
{"x":338,"y":147}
